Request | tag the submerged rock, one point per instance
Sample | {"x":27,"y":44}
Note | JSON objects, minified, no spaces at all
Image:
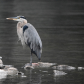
{"x":54,"y":67}
{"x":45,"y":64}
{"x":1,"y":62}
{"x":39,"y":64}
{"x":58,"y":73}
{"x":27,"y":66}
{"x":3,"y":74}
{"x":11,"y":70}
{"x":21,"y":74}
{"x":80,"y":68}
{"x":8,"y":70}
{"x":64,"y":67}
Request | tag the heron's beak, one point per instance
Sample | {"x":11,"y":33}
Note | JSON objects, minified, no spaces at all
{"x":12,"y":18}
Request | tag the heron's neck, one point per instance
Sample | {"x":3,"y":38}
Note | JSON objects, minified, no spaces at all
{"x":24,"y":22}
{"x":21,"y":24}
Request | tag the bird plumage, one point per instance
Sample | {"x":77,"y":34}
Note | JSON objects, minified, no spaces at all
{"x":28,"y":36}
{"x":32,"y":39}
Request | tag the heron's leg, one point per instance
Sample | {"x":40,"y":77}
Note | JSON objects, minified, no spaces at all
{"x":31,"y":59}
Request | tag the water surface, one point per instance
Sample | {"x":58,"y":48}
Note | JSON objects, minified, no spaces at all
{"x":60,"y":26}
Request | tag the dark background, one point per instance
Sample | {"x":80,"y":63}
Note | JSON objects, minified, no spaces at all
{"x":60,"y":24}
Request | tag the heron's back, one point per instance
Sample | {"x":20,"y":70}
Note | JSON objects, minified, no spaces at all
{"x":32,"y":39}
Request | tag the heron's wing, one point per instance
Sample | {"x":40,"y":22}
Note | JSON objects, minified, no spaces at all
{"x":32,"y":38}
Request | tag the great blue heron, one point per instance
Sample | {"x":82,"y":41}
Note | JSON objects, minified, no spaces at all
{"x":28,"y":36}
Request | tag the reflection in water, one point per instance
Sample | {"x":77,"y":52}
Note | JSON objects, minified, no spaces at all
{"x":30,"y":76}
{"x":33,"y":77}
{"x":34,"y":80}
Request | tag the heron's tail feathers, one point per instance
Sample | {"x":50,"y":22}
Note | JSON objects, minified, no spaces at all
{"x":39,"y":54}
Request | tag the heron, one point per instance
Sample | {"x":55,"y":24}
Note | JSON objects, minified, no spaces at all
{"x":28,"y":36}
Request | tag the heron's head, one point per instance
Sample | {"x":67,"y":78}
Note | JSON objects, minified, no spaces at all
{"x":18,"y":18}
